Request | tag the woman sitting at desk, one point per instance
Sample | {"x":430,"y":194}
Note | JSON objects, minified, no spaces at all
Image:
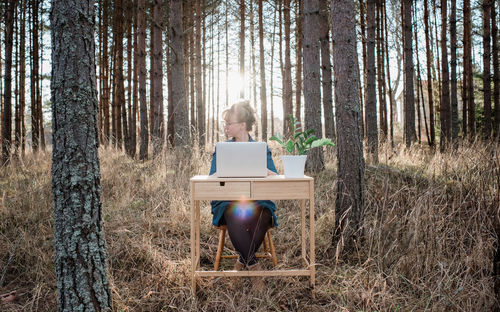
{"x":247,"y":221}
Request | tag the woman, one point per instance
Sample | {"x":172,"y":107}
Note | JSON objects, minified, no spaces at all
{"x":247,"y":221}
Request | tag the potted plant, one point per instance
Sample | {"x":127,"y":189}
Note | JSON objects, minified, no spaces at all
{"x":297,"y":147}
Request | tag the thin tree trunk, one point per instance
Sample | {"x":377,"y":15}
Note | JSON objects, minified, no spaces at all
{"x":370,"y":94}
{"x":39,"y":80}
{"x":135,"y":79}
{"x":409,"y":114}
{"x":263,"y":96}
{"x":252,"y":57}
{"x":445,"y":95}
{"x":198,"y":82}
{"x":35,"y":126}
{"x":390,"y":91}
{"x":349,"y":211}
{"x":312,"y":92}
{"x":10,"y":7}
{"x":106,"y":89}
{"x":287,"y":88}
{"x":486,"y":69}
{"x":130,"y":115}
{"x":453,"y":80}
{"x":496,"y":74}
{"x":326,"y":70}
{"x":379,"y":71}
{"x":429,"y":76}
{"x":299,"y":16}
{"x":471,"y":115}
{"x":271,"y":82}
{"x":156,"y":37}
{"x":242,"y":47}
{"x":22,"y":75}
{"x":80,"y":248}
{"x":141,"y":64}
{"x":362,"y":10}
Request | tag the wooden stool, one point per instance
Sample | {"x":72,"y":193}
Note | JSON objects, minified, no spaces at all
{"x":268,"y":253}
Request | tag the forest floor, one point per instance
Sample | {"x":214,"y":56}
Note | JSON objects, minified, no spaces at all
{"x":431,"y":233}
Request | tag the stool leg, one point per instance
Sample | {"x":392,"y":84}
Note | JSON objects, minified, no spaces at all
{"x":222,"y":238}
{"x":273,"y":252}
{"x":265,"y":245}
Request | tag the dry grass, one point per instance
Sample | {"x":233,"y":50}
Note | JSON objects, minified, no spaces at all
{"x":429,"y":237}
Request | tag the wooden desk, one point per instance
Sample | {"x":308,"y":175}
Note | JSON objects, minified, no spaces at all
{"x":270,"y":188}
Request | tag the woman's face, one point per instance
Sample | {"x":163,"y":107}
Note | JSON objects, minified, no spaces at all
{"x":233,"y":127}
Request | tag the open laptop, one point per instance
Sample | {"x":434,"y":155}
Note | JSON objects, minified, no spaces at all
{"x":241,"y":159}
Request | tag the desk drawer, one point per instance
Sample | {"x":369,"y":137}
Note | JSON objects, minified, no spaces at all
{"x":280,"y":190}
{"x":222,"y":190}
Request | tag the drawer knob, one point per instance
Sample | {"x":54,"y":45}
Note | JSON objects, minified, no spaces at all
{"x":222,"y":183}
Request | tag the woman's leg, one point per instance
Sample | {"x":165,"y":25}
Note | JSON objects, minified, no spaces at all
{"x":247,"y":230}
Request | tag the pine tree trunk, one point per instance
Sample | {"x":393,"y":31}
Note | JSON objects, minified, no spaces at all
{"x":496,"y":73}
{"x":242,"y":47}
{"x":299,"y":16}
{"x":141,"y":64}
{"x":312,"y":92}
{"x":253,"y":74}
{"x":130,"y":115}
{"x":390,"y":91}
{"x":10,"y":6}
{"x":471,"y":107}
{"x":380,"y":69}
{"x":179,"y":100}
{"x":22,"y":76}
{"x":429,"y":73}
{"x":349,"y":211}
{"x":287,"y":78}
{"x":39,"y":79}
{"x":445,"y":89}
{"x":263,"y":91}
{"x":135,"y":89}
{"x":409,"y":112}
{"x":326,"y":70}
{"x":199,"y":95}
{"x":486,"y":69}
{"x":362,"y":13}
{"x":106,"y":89}
{"x":453,"y":78}
{"x":370,"y":94}
{"x":35,"y":126}
{"x":271,"y":82}
{"x":157,"y":139}
{"x":80,"y":248}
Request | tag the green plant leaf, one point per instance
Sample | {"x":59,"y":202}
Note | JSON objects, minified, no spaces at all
{"x":277,"y":139}
{"x":322,"y":142}
{"x":311,"y":139}
{"x":289,"y":146}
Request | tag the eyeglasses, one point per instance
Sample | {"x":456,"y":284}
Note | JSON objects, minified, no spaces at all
{"x":227,"y":124}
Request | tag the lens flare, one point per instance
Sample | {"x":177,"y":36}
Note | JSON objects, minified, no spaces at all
{"x":243,"y":209}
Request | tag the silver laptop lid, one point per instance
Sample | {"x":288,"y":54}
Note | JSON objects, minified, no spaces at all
{"x":241,"y":159}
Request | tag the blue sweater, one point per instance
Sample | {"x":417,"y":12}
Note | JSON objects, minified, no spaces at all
{"x":218,"y":207}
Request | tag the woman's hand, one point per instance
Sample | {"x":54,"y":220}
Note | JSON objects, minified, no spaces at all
{"x":270,"y":173}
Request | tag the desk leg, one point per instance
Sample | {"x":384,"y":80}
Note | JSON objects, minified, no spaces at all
{"x":312,"y":256}
{"x":197,"y":234}
{"x":303,"y":226}
{"x":193,"y":245}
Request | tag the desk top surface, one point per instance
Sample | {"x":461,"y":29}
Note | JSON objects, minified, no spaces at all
{"x":273,"y":178}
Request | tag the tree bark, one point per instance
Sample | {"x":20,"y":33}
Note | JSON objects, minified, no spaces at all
{"x":496,"y":73}
{"x":299,"y":17}
{"x":287,"y":87}
{"x":200,"y":110}
{"x":141,"y":64}
{"x":370,"y":94}
{"x":409,"y":113}
{"x":486,"y":69}
{"x":35,"y":121}
{"x":453,"y":78}
{"x":349,"y":211}
{"x":428,"y":52}
{"x":445,"y":137}
{"x":389,"y":88}
{"x":181,"y":136}
{"x":326,"y":70}
{"x":7,"y":111}
{"x":263,"y":91}
{"x":471,"y":107}
{"x":80,"y":248}
{"x":242,"y":47}
{"x":312,"y":93}
{"x":157,"y":139}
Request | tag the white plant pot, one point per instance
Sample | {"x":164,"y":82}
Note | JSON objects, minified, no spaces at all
{"x":294,"y":165}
